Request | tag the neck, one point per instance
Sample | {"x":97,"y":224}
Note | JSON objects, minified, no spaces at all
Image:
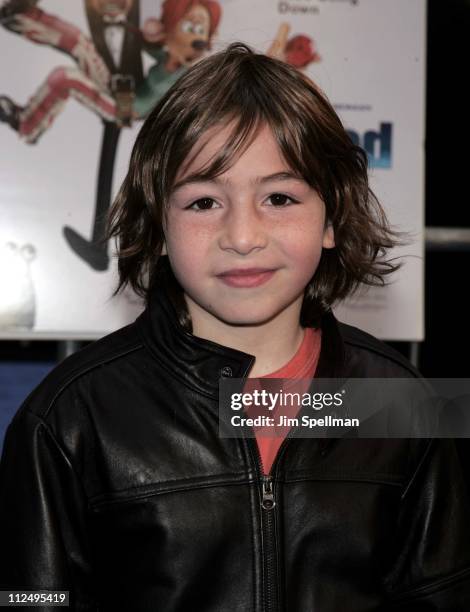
{"x":273,"y":343}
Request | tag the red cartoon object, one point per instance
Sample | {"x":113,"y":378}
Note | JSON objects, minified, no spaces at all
{"x":300,"y":51}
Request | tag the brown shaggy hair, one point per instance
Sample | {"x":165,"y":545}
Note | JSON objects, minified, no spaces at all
{"x":252,"y":89}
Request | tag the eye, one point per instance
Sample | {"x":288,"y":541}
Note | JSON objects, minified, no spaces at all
{"x":186,"y":26}
{"x":278,"y":200}
{"x":281,"y":199}
{"x":199,"y":29}
{"x":201,"y":204}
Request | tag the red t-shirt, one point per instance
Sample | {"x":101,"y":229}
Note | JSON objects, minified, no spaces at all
{"x":302,"y":366}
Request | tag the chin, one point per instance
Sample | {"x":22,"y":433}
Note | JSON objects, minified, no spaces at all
{"x":245,"y":316}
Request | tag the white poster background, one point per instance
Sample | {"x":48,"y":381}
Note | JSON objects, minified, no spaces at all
{"x":372,"y":70}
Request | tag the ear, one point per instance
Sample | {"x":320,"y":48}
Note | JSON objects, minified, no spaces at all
{"x":328,"y":236}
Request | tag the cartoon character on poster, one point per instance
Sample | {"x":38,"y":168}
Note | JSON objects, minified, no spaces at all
{"x":17,"y":299}
{"x":107,"y":76}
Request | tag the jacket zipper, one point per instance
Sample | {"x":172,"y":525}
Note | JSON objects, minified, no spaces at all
{"x":268,"y":503}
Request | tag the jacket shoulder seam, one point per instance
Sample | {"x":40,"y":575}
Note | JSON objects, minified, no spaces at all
{"x":52,"y":436}
{"x":375,"y":347}
{"x":82,"y":369}
{"x":415,"y":473}
{"x":42,"y":423}
{"x":88,"y":368}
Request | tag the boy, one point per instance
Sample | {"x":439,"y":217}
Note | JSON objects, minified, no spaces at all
{"x":245,"y":214}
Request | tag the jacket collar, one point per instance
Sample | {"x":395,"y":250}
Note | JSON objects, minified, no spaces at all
{"x":200,"y":363}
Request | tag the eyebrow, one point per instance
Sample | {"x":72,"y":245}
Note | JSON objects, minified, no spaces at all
{"x":259,"y":180}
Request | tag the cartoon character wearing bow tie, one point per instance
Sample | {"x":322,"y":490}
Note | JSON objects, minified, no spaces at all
{"x":108,"y":77}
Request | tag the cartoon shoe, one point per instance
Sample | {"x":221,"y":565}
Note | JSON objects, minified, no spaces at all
{"x":10,"y":8}
{"x":9,"y":112}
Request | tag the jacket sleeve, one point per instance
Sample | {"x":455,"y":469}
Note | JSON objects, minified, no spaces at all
{"x":431,"y":568}
{"x":43,"y":509}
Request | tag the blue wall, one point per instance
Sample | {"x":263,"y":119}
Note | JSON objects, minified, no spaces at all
{"x":17,"y":380}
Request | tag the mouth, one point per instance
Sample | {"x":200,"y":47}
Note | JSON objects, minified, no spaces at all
{"x":248,"y":277}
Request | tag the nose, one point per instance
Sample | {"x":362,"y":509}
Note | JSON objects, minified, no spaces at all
{"x":243,"y":230}
{"x":199,"y":45}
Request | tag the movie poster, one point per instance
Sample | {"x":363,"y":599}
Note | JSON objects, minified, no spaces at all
{"x":77,"y":79}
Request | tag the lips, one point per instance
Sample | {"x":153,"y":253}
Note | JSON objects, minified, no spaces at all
{"x":246,"y":277}
{"x":244,"y":271}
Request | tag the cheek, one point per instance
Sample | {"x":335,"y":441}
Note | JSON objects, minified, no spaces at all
{"x":306,"y":264}
{"x":187,"y":247}
{"x":303,"y":248}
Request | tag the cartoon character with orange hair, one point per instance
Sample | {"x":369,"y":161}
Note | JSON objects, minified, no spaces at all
{"x":181,"y":36}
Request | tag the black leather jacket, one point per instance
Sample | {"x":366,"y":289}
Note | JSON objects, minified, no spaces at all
{"x":116,"y":486}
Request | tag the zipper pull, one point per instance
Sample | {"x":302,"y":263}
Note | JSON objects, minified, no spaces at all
{"x":268,"y":502}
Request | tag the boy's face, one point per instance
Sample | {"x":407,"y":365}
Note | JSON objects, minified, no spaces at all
{"x":257,"y":214}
